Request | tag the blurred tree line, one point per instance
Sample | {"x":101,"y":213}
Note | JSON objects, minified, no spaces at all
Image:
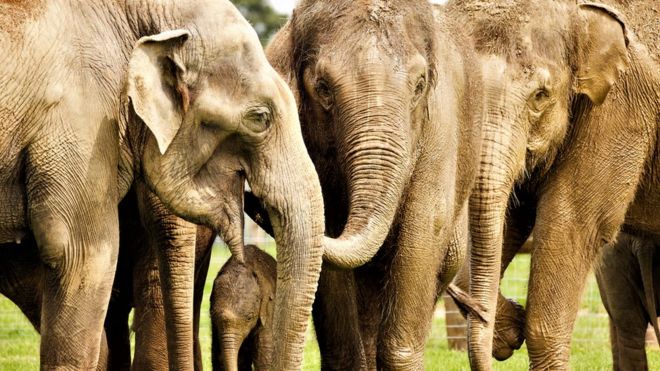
{"x":265,"y":20}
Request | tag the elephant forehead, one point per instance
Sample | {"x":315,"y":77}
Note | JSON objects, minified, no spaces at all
{"x":219,"y":106}
{"x":236,"y":83}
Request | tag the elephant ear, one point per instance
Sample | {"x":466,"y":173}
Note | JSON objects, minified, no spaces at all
{"x":266,"y":310}
{"x":267,"y":297}
{"x":155,"y":84}
{"x":280,"y":54}
{"x":602,"y":50}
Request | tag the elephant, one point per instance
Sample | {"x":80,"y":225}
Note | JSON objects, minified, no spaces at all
{"x":242,"y":311}
{"x":176,"y":97}
{"x":140,"y":283}
{"x":628,"y":279}
{"x":136,"y":286}
{"x":571,"y":121}
{"x":383,"y":92}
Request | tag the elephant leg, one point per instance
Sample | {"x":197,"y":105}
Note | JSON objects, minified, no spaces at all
{"x":118,"y":333}
{"x":336,"y":321}
{"x":72,"y":203}
{"x":614,"y":344}
{"x":173,"y":241}
{"x":21,"y":278}
{"x":80,"y":260}
{"x":411,"y":286}
{"x":369,"y":281}
{"x":621,"y":290}
{"x":149,"y":314}
{"x":631,"y":344}
{"x":203,"y":250}
{"x":555,"y":285}
{"x":121,"y":301}
{"x":74,"y":220}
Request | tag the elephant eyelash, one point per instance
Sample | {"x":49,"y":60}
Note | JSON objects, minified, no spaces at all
{"x":258,"y":118}
{"x":539,"y":99}
{"x":209,"y":125}
{"x":420,"y":88}
{"x":324,"y":93}
{"x":541,"y":94}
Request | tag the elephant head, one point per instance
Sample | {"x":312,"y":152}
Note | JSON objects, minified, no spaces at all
{"x":362,"y":72}
{"x":217,"y":114}
{"x":241,"y":311}
{"x":541,"y":62}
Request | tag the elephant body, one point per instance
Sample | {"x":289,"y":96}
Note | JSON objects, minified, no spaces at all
{"x":574,"y":102}
{"x":242,"y":311}
{"x":385,"y":93}
{"x":628,"y":277}
{"x":176,"y":99}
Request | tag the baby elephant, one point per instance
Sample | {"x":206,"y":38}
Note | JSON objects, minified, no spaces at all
{"x":241,"y":312}
{"x":628,"y":279}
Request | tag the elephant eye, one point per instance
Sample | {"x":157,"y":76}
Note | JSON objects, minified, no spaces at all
{"x":539,"y":99}
{"x":420,"y":88}
{"x":325,"y":94}
{"x":258,"y":118}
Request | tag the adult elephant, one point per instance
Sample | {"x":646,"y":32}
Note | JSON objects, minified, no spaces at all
{"x":384,"y":92}
{"x":573,"y":100}
{"x":176,"y":95}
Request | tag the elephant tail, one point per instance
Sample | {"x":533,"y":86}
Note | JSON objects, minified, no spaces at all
{"x":466,"y":304}
{"x":645,"y":255}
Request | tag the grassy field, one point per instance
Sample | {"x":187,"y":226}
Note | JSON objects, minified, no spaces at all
{"x":19,"y":343}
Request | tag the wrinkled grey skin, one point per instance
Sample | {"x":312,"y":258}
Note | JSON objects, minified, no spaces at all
{"x":242,"y":312}
{"x":510,"y":316}
{"x":628,"y":279}
{"x":136,"y":286}
{"x":386,"y":96}
{"x":174,"y":96}
{"x":572,"y":118}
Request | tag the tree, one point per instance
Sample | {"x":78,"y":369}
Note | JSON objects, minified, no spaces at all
{"x":265,"y":20}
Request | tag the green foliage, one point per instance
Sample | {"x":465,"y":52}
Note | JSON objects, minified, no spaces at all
{"x":263,"y":18}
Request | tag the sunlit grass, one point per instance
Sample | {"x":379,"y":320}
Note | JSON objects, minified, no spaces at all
{"x":19,"y":343}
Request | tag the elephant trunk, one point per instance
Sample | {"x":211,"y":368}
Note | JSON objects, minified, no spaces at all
{"x":229,"y":353}
{"x":377,"y":164}
{"x":502,"y":158}
{"x":298,"y":233}
{"x":295,"y":210}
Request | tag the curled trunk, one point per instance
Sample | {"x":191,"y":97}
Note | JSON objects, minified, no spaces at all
{"x":376,"y":154}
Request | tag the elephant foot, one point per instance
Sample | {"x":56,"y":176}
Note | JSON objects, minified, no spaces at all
{"x":509,"y":327}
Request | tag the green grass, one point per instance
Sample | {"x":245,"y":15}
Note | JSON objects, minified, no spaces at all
{"x":19,"y":343}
